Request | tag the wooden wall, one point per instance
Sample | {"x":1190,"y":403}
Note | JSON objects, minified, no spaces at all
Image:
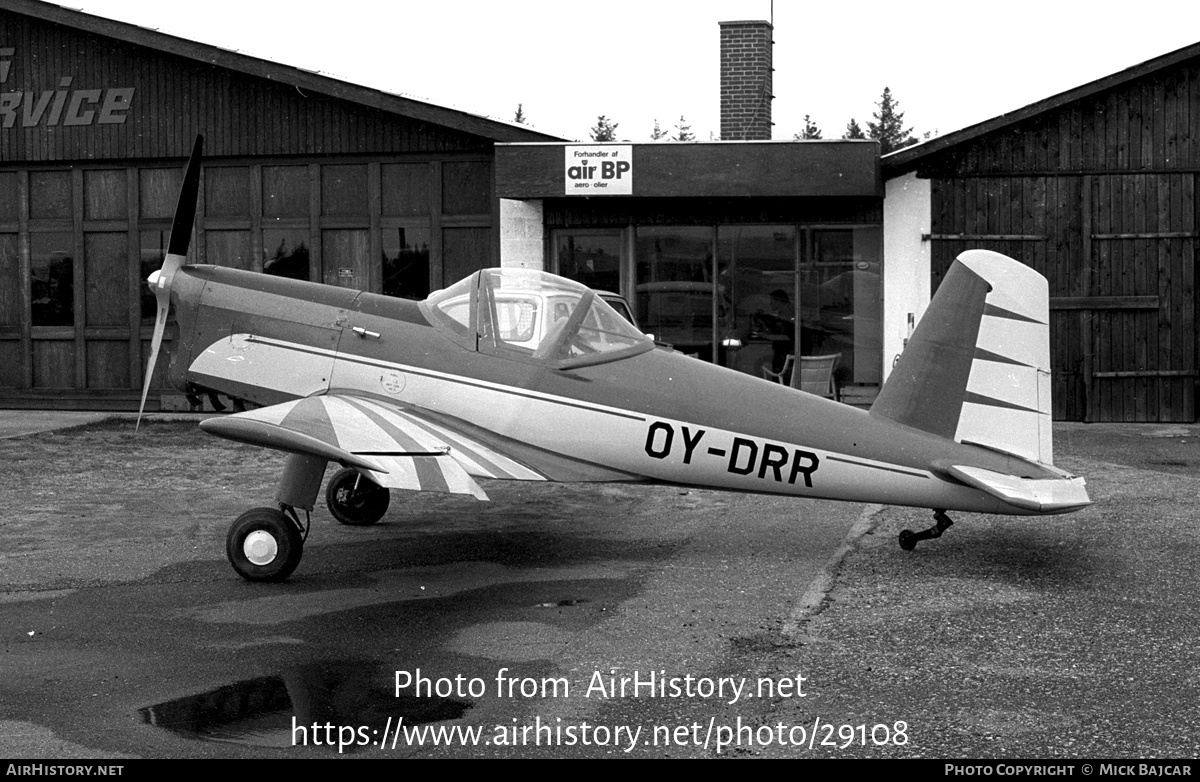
{"x":93,"y":131}
{"x":174,"y":98}
{"x":1098,"y":195}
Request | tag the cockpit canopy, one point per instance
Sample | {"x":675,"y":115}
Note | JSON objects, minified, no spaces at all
{"x":533,"y":315}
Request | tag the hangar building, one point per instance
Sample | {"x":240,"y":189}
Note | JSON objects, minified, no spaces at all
{"x":741,"y":251}
{"x":718,"y":245}
{"x":1096,"y":189}
{"x":305,"y":176}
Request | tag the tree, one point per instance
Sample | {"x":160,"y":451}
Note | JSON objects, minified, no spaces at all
{"x":888,"y":127}
{"x":519,"y":118}
{"x":605,"y":130}
{"x":853,"y":130}
{"x":811,"y":131}
{"x":683,"y":131}
{"x":658,"y":134}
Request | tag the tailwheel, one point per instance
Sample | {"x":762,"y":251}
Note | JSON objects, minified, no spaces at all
{"x":355,"y":500}
{"x":910,"y":539}
{"x":264,"y":544}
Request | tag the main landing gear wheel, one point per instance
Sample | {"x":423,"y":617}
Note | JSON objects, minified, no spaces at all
{"x":264,"y":545}
{"x":355,"y":500}
{"x":910,"y":539}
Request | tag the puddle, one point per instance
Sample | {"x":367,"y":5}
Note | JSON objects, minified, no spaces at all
{"x":281,"y":710}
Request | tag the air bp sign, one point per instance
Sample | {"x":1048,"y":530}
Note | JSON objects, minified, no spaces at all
{"x":598,"y":169}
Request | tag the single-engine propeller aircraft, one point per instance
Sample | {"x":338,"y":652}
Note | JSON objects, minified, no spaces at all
{"x":522,"y":375}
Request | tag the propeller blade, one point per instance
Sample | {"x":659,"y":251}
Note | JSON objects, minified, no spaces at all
{"x":177,"y":249}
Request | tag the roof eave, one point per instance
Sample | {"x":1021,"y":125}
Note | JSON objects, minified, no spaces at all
{"x":466,"y":122}
{"x":904,"y":160}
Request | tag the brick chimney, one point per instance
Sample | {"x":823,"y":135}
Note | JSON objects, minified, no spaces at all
{"x":746,"y":81}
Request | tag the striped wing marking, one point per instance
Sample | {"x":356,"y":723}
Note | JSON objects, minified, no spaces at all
{"x":411,"y":452}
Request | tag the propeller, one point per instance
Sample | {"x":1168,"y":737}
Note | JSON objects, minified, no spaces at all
{"x":177,"y":249}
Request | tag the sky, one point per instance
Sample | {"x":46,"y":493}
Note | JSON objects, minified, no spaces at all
{"x":949,"y":64}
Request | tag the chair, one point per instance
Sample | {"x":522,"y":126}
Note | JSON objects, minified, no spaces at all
{"x":816,"y":375}
{"x":784,"y":375}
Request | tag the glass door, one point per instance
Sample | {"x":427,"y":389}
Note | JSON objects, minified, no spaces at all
{"x":758,"y":294}
{"x":591,"y":257}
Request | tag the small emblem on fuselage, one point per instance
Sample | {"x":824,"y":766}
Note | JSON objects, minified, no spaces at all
{"x":392,"y":382}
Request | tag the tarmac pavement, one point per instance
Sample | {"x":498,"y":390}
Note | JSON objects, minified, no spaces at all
{"x":1069,"y":636}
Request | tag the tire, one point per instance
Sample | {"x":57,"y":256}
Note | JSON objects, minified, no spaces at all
{"x":358,"y":508}
{"x":264,"y":545}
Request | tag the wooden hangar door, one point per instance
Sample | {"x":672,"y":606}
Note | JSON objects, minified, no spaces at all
{"x":1137,"y":308}
{"x":1120,"y":252}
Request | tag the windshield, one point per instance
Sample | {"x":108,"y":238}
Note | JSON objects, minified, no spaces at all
{"x":536,"y":315}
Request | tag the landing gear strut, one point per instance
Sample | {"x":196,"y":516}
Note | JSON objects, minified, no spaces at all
{"x":266,"y":544}
{"x":909,"y":539}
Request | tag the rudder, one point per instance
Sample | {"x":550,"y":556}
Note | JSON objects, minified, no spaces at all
{"x":977,"y":368}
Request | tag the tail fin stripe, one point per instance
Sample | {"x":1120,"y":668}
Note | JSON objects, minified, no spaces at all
{"x":980,"y":399}
{"x":987,"y":355}
{"x":999,"y":312}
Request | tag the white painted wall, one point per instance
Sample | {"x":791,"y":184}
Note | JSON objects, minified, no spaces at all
{"x":522,"y":234}
{"x":906,"y":261}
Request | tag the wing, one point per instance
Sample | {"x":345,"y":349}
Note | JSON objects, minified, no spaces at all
{"x":397,"y":447}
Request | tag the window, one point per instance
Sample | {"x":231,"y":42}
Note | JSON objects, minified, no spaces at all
{"x":228,"y":248}
{"x":9,"y":205}
{"x":285,"y":191}
{"x":152,"y":253}
{"x":534,"y":315}
{"x":591,"y":258}
{"x":10,"y":281}
{"x":104,"y":195}
{"x":158,"y":192}
{"x":675,"y":287}
{"x":52,"y":279}
{"x":467,"y":188}
{"x":285,"y":253}
{"x":406,"y":262}
{"x":106,"y":272}
{"x":50,"y":195}
{"x":344,"y":190}
{"x":227,"y":191}
{"x":758,"y":296}
{"x":345,"y":255}
{"x":406,"y":189}
{"x":464,"y":250}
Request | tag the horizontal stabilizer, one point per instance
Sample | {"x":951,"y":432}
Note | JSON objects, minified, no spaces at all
{"x":1041,"y":495}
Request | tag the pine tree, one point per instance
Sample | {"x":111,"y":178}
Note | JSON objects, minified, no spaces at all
{"x":658,"y":134}
{"x":683,"y":131}
{"x":519,"y":118}
{"x":605,"y":130}
{"x":811,"y":131}
{"x":888,"y":127}
{"x":853,"y":130}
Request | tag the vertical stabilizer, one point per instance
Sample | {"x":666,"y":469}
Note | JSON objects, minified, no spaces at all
{"x":977,"y":368}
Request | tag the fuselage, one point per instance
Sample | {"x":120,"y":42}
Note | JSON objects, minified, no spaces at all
{"x":646,"y":415}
